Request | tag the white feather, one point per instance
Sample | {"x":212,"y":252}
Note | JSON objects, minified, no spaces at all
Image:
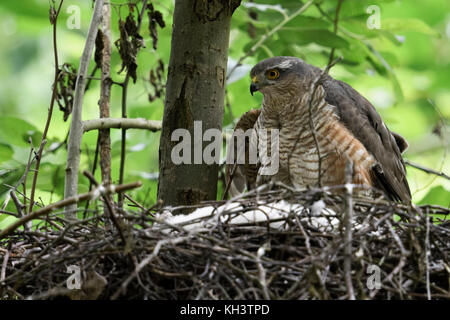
{"x":274,"y":213}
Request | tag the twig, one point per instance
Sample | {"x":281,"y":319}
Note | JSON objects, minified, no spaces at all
{"x":17,"y":203}
{"x":262,"y":272}
{"x":440,"y":132}
{"x":146,"y":261}
{"x":266,"y":36}
{"x":223,"y":260}
{"x":4,"y":264}
{"x":120,"y":123}
{"x":104,"y":138}
{"x":230,"y":180}
{"x":19,"y":206}
{"x":427,"y":254}
{"x":63,"y":203}
{"x":91,"y":77}
{"x":54,"y":20}
{"x":37,"y":157}
{"x":94,"y":167}
{"x":427,"y":170}
{"x":124,"y":111}
{"x":403,"y":254}
{"x":31,"y":159}
{"x":107,"y":201}
{"x":348,"y":218}
{"x":76,"y":128}
{"x":228,"y":105}
{"x":22,"y":179}
{"x":335,"y":29}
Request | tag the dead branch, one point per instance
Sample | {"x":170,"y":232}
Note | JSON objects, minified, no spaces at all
{"x":427,"y":170}
{"x":104,"y":139}
{"x":76,"y":127}
{"x":122,"y":123}
{"x":304,"y":256}
{"x":63,"y":203}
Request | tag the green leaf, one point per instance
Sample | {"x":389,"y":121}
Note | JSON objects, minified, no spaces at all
{"x":416,"y":25}
{"x":383,"y":68}
{"x":391,"y":37}
{"x":288,"y":6}
{"x":51,"y":178}
{"x":8,"y":220}
{"x":437,"y":195}
{"x":306,"y":22}
{"x":354,"y":7}
{"x":360,"y":17}
{"x":249,"y":45}
{"x":32,"y":10}
{"x":6,"y":152}
{"x":273,"y":13}
{"x":355,"y":53}
{"x":323,"y":37}
{"x":15,"y":131}
{"x":10,"y":178}
{"x":390,"y":58}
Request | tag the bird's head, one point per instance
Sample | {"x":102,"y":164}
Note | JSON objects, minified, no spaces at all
{"x":281,"y":75}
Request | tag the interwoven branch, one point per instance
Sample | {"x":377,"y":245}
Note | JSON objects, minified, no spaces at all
{"x":300,"y":255}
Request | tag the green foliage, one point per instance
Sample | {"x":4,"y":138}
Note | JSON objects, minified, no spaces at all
{"x":437,"y":195}
{"x":399,"y":68}
{"x":416,"y":25}
{"x":322,"y":37}
{"x":17,"y":132}
{"x":6,"y":152}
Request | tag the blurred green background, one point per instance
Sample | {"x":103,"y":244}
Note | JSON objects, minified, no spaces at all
{"x":403,"y":68}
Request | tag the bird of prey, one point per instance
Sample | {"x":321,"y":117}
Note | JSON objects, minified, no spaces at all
{"x":320,"y":125}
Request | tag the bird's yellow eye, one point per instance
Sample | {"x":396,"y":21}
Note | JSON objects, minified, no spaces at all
{"x":272,"y":74}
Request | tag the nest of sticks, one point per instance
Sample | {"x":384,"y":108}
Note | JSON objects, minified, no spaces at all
{"x":360,"y":248}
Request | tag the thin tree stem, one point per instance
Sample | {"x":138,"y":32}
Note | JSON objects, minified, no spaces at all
{"x":124,"y":113}
{"x":348,"y":218}
{"x":64,"y":203}
{"x":270,"y":34}
{"x":50,"y":109}
{"x":427,"y":170}
{"x":76,"y":127}
{"x":105,"y":97}
{"x":335,"y":28}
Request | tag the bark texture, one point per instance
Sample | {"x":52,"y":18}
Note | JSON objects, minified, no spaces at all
{"x":104,"y":137}
{"x":105,"y":96}
{"x":76,"y":126}
{"x":195,"y":92}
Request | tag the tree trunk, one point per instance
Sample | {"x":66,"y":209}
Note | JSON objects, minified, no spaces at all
{"x":195,"y":92}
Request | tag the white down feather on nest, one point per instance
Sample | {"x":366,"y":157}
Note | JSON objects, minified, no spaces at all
{"x":275,"y":214}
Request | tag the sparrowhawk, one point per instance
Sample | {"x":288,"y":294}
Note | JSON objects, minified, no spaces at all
{"x":327,"y":118}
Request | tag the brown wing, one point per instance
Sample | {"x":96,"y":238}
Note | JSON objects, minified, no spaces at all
{"x":239,"y":177}
{"x":401,"y":142}
{"x":361,"y":118}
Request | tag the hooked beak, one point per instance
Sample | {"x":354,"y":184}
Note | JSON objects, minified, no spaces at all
{"x":254,"y":85}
